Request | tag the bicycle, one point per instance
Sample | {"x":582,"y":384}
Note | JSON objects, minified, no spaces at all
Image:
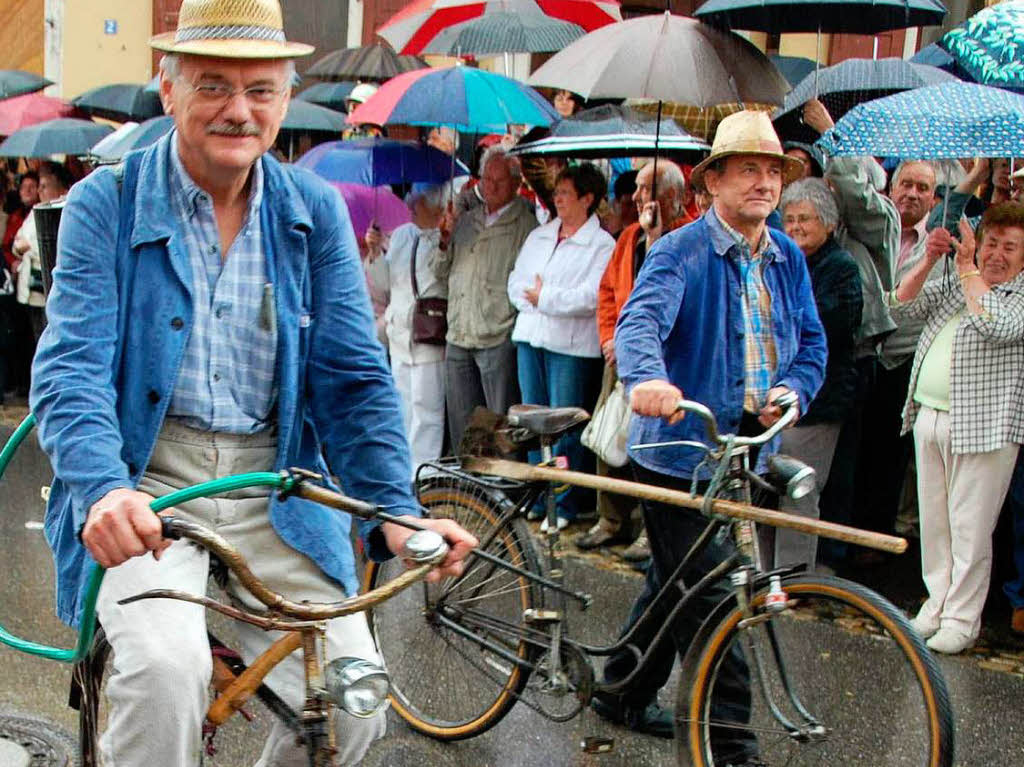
{"x":357,"y":685}
{"x":499,"y":634}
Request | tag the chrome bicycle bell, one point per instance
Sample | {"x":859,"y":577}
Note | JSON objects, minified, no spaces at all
{"x":357,"y":685}
{"x":424,"y":546}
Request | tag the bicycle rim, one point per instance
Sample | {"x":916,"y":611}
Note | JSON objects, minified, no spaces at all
{"x":873,"y":692}
{"x":444,"y":684}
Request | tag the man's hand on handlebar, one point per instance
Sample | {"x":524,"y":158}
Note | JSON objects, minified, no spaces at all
{"x":657,"y":398}
{"x":771,"y":412}
{"x":120,"y":526}
{"x":459,"y":541}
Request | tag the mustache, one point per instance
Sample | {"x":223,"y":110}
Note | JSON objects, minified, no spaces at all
{"x":232,"y":129}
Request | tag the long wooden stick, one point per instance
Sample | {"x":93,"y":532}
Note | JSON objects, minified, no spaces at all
{"x":526,"y":472}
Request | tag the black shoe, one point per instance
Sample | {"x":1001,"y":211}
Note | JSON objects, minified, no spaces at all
{"x":650,"y":720}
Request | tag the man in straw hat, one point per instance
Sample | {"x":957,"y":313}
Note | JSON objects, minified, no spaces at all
{"x":209,"y":316}
{"x":722,"y":312}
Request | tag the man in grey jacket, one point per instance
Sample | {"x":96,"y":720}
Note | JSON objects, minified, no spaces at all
{"x":475,"y":256}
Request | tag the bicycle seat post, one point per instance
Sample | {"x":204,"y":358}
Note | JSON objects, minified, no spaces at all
{"x":555,"y":568}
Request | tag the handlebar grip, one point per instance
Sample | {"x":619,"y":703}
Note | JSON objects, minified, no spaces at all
{"x":169,"y":528}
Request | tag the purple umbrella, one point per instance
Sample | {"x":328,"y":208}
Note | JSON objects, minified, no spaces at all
{"x":366,"y":204}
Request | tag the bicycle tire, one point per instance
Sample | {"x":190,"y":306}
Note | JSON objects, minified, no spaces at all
{"x":841,"y":645}
{"x":444,"y":685}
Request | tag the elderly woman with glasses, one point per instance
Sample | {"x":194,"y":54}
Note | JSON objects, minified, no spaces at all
{"x":810,"y":216}
{"x":965,"y":405}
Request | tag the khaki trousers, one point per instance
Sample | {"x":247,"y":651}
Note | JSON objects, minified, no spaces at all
{"x":158,"y":690}
{"x":959,"y":499}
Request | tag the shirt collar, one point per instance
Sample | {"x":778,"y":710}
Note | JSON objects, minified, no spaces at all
{"x":725,"y":237}
{"x":189,"y":194}
{"x":492,"y":218}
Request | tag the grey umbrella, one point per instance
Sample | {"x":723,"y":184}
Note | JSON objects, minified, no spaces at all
{"x":15,"y":82}
{"x":306,"y":117}
{"x":120,"y":101}
{"x":66,"y":135}
{"x":528,"y":30}
{"x":369,"y":62}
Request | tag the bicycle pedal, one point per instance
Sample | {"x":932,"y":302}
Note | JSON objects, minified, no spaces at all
{"x":597,"y":744}
{"x":532,"y":615}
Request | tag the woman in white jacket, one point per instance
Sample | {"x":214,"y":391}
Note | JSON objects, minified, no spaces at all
{"x":554,"y":286}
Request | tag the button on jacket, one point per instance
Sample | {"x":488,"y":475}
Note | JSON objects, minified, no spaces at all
{"x":565,"y":317}
{"x":684,"y":323}
{"x":120,"y":315}
{"x":476,"y":266}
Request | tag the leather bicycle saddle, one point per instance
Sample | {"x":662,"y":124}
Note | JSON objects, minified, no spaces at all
{"x":546,"y":421}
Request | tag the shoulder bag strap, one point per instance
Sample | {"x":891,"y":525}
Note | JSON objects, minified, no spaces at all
{"x":412,"y":269}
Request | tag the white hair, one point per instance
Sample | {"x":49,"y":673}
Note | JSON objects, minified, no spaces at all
{"x":170,"y":66}
{"x":512,"y":163}
{"x":816,"y":192}
{"x":902,"y":166}
{"x":670,"y":176}
{"x":433,"y":195}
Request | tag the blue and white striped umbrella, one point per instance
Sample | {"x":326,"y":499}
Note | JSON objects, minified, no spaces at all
{"x":949,"y":120}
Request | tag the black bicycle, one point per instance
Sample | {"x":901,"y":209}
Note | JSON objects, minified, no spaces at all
{"x":837,"y":674}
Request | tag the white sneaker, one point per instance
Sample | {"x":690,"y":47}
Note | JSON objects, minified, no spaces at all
{"x":924,"y":625}
{"x":562,"y":524}
{"x":950,"y":641}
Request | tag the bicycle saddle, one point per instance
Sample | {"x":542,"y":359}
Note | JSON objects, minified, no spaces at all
{"x":546,"y":421}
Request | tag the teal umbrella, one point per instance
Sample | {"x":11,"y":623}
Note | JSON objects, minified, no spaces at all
{"x":120,"y":101}
{"x":330,"y":95}
{"x":15,"y":82}
{"x":311,"y":118}
{"x":66,"y":135}
{"x":114,"y":146}
{"x":989,"y":46}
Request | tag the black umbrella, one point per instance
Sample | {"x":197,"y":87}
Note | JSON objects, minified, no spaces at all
{"x":330,"y":95}
{"x":368,"y":62}
{"x":15,"y":82}
{"x":793,"y":68}
{"x":848,"y":83}
{"x":121,"y":102}
{"x":305,"y":117}
{"x":65,"y":135}
{"x":864,"y":17}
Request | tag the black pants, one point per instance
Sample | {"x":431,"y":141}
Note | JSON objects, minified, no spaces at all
{"x":671,"y":532}
{"x":884,"y":454}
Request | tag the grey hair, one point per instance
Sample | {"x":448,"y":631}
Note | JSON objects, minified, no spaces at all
{"x":170,"y":65}
{"x":902,"y":166}
{"x":499,"y":151}
{"x":434,"y":195}
{"x":670,"y":176}
{"x":816,"y":192}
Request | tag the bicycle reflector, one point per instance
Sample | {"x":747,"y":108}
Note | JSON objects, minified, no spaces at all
{"x":796,"y":477}
{"x":357,"y":685}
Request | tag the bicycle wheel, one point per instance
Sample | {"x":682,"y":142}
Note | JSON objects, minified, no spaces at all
{"x":444,"y":681}
{"x":871,"y":692}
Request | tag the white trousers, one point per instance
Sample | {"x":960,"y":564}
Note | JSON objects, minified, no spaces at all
{"x":421,"y":387}
{"x":158,"y":690}
{"x":959,"y":498}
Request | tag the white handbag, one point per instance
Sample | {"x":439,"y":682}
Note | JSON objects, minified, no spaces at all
{"x":608,"y":430}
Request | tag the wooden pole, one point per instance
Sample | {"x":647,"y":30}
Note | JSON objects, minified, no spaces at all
{"x":733,"y":509}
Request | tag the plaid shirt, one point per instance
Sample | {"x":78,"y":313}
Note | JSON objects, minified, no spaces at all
{"x":760,"y":355}
{"x":986,"y":381}
{"x":227,"y":377}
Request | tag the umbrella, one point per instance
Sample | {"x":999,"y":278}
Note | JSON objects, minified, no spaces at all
{"x":464,"y":98}
{"x":22,"y":111}
{"x":376,"y":161}
{"x":311,"y":118}
{"x":950,"y":120}
{"x":367,"y":203}
{"x":369,"y":62}
{"x":864,"y":17}
{"x":523,"y":32}
{"x":15,"y":82}
{"x":667,"y":58}
{"x":330,"y":95}
{"x":417,"y":24}
{"x":113,"y":147}
{"x":66,"y":135}
{"x":121,"y":101}
{"x":793,"y":68}
{"x":851,"y":82}
{"x":615,"y":131}
{"x":990,"y":45}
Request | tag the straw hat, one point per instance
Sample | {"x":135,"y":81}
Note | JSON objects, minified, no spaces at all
{"x":748,"y":132}
{"x":230,"y":29}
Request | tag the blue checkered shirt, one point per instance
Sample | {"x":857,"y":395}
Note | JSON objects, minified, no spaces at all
{"x":760,"y":357}
{"x":227,"y":377}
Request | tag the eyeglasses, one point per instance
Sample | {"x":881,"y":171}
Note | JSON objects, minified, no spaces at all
{"x":258,"y":97}
{"x":803,"y":219}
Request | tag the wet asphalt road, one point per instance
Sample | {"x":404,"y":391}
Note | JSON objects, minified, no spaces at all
{"x":989,"y":705}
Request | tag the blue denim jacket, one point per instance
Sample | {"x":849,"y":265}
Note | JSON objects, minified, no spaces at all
{"x":683,"y":323}
{"x":120,"y":313}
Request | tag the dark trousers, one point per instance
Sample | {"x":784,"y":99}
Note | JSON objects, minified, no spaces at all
{"x":1014,"y":589}
{"x":884,"y":454}
{"x":671,"y":531}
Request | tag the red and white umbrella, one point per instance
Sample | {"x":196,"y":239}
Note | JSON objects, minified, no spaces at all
{"x":411,"y":29}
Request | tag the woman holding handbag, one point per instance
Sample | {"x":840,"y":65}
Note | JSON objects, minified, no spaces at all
{"x":415,"y":321}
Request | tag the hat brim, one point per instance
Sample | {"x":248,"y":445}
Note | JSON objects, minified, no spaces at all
{"x":792,"y":167}
{"x":231,"y":48}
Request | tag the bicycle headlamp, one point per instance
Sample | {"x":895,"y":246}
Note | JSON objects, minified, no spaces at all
{"x":357,"y":685}
{"x":795,"y":477}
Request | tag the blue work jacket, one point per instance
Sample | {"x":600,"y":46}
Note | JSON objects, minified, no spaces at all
{"x":683,"y":323}
{"x":120,"y":313}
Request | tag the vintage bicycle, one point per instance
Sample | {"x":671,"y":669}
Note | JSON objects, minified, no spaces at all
{"x":836,"y":673}
{"x":357,"y":685}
